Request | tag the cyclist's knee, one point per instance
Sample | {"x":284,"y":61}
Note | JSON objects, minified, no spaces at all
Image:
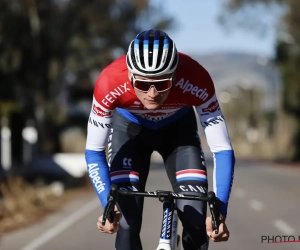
{"x":194,"y":240}
{"x":132,"y":227}
{"x":192,"y":213}
{"x":191,"y":222}
{"x":128,"y":237}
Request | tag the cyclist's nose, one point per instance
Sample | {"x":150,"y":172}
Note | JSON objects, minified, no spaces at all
{"x":152,"y":92}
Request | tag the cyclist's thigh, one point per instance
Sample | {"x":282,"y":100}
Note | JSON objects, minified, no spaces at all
{"x":128,"y":155}
{"x":187,"y":172}
{"x":183,"y":155}
{"x":129,"y":167}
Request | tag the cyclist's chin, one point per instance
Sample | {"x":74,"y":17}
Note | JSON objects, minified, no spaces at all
{"x":152,"y":105}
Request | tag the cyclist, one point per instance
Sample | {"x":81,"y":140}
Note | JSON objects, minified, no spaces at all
{"x":143,"y":101}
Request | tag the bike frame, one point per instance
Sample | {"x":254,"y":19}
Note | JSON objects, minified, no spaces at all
{"x":168,"y":235}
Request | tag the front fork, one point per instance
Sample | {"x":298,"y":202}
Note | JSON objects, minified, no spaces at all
{"x":175,"y":240}
{"x":168,"y":235}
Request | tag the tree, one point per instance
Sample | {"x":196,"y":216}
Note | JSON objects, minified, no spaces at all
{"x":287,"y":48}
{"x":48,"y":45}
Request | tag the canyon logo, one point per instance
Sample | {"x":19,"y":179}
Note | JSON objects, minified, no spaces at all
{"x":212,"y":107}
{"x":100,"y":112}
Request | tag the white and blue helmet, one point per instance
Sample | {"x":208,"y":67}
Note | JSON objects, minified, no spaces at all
{"x":152,"y":53}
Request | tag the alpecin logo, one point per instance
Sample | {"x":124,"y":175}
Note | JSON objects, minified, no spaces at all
{"x":189,"y":87}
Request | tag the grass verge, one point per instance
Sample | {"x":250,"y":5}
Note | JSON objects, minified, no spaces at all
{"x":24,"y":203}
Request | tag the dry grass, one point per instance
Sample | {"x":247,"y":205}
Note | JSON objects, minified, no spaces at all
{"x":24,"y":203}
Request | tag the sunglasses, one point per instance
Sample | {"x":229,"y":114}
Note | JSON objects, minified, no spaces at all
{"x":160,"y":85}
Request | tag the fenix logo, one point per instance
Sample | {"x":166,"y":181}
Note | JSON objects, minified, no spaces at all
{"x":189,"y":87}
{"x":115,"y":93}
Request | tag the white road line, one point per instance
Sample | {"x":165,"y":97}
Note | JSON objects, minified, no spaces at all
{"x":63,"y":225}
{"x":283,"y":227}
{"x":256,"y":205}
{"x":240,"y":193}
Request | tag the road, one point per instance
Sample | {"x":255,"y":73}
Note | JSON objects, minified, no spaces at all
{"x":265,"y":201}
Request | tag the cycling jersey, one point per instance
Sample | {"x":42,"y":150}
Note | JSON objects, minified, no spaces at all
{"x":192,"y":86}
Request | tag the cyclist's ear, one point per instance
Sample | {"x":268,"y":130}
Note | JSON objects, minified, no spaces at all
{"x":130,"y":77}
{"x":173,"y":79}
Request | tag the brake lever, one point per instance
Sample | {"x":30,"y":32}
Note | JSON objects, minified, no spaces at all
{"x":214,"y":206}
{"x":109,"y":212}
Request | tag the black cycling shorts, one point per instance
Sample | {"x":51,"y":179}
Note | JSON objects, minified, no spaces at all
{"x":131,"y":146}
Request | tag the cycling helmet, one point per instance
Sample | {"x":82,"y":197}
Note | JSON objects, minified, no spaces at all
{"x":152,"y":53}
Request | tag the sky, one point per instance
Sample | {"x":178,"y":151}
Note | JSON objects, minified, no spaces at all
{"x":197,"y":30}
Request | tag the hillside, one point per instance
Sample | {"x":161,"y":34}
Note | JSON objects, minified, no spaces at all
{"x":230,"y":69}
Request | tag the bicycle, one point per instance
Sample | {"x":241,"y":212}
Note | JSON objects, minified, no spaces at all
{"x":169,"y":239}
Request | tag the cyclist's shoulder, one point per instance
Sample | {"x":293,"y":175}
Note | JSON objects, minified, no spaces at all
{"x":192,"y":83}
{"x":112,"y":84}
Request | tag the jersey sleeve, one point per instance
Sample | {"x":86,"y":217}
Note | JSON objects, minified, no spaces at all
{"x":98,"y":130}
{"x":215,"y":129}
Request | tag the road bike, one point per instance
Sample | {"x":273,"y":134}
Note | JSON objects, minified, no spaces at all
{"x":169,"y":239}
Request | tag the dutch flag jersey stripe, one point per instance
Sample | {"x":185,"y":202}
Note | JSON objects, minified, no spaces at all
{"x":124,"y":176}
{"x":191,"y":175}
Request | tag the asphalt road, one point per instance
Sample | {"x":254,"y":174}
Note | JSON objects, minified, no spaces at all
{"x":265,"y":201}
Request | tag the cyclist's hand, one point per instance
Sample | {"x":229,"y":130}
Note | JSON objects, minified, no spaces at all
{"x":223,"y":234}
{"x":110,"y":228}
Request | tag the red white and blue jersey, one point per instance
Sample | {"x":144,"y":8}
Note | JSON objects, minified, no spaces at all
{"x":192,"y":86}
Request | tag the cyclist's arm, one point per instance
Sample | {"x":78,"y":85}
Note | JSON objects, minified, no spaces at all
{"x":214,"y":126}
{"x":99,"y":126}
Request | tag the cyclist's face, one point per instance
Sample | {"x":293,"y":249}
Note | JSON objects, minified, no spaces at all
{"x":150,"y":96}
